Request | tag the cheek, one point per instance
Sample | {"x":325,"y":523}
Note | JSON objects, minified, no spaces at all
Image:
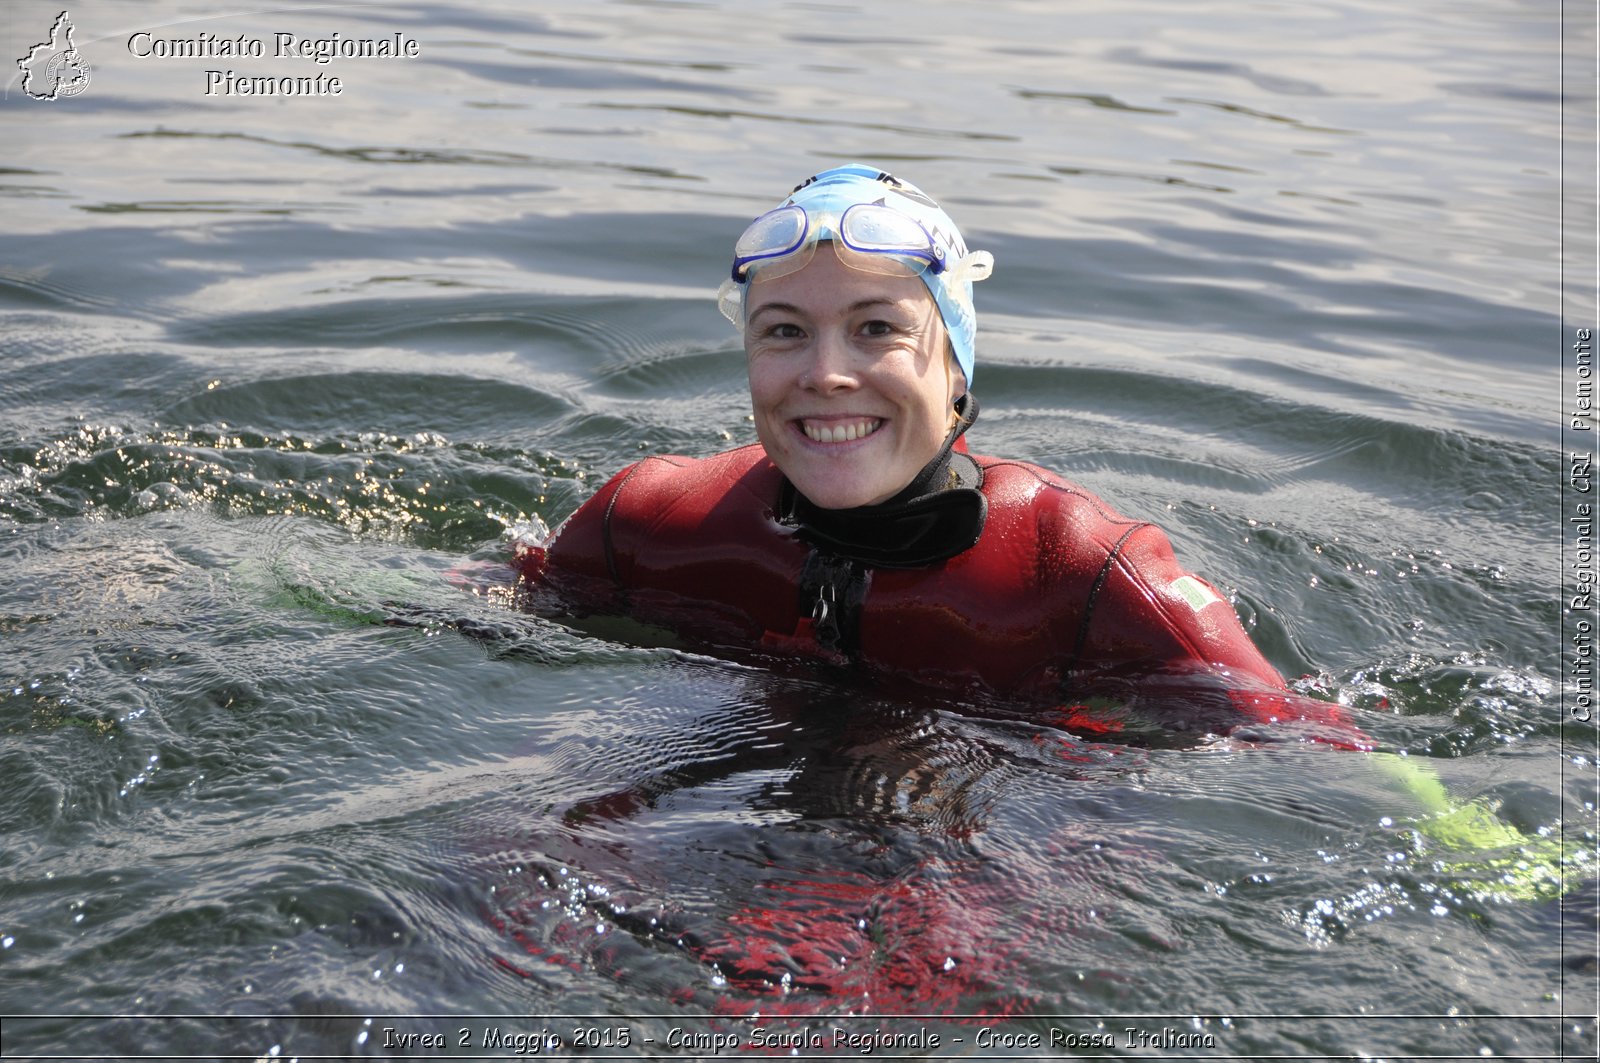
{"x":766,"y":383}
{"x":913,"y":387}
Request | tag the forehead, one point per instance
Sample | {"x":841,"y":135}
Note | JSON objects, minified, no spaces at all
{"x":827,"y":284}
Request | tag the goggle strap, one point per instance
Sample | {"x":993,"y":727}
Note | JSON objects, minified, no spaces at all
{"x":974,"y":266}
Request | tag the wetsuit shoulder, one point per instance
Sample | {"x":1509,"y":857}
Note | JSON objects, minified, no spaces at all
{"x":1142,"y":607}
{"x":654,"y":504}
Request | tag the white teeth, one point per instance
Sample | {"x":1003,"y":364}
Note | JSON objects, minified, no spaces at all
{"x":839,"y":433}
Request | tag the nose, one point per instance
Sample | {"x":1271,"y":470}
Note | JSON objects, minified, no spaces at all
{"x":831,"y":366}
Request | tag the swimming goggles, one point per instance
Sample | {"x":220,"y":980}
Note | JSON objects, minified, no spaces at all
{"x":867,"y":236}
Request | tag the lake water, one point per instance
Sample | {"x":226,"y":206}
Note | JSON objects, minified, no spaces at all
{"x":282,"y":774}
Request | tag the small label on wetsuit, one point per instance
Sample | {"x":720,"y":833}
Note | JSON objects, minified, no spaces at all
{"x":1196,"y":593}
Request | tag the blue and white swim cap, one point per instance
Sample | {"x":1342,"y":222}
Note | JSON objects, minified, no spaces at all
{"x":876,"y":223}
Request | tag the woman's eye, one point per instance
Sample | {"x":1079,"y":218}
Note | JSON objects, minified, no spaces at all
{"x":877,"y":328}
{"x":783,"y":330}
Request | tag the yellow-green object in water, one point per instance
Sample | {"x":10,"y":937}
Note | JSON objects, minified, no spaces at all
{"x":1485,"y":855}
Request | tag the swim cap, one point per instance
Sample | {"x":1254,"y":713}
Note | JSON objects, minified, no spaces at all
{"x":864,"y":211}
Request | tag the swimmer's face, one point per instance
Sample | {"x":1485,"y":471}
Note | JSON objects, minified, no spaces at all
{"x":851,"y":381}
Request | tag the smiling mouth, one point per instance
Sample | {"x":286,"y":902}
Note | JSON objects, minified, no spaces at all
{"x":843,"y":432}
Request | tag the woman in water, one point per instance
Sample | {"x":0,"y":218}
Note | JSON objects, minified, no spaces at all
{"x":861,"y":530}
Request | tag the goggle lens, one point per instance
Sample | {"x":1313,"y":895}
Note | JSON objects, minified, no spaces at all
{"x":875,"y":230}
{"x":776,"y":234}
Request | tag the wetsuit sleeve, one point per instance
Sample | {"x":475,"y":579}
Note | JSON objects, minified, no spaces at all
{"x":577,"y":560}
{"x":1150,"y":607}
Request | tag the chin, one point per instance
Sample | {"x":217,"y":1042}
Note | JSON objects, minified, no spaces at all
{"x":829,"y":493}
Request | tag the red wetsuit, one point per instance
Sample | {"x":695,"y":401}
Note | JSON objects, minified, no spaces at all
{"x":1060,"y":595}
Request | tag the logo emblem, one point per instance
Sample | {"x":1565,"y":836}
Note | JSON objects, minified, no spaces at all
{"x":55,"y":69}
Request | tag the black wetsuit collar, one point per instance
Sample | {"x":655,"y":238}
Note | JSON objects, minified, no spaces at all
{"x":938,"y":515}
